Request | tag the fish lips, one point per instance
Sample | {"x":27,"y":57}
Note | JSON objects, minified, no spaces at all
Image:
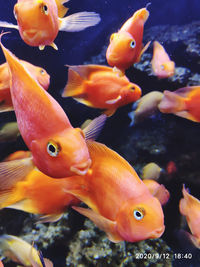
{"x":157,"y":233}
{"x":82,"y":168}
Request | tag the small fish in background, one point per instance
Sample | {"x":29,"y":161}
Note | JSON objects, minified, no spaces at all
{"x":184,"y":102}
{"x":126,"y":46}
{"x":161,"y":64}
{"x":30,"y":192}
{"x":100,"y":87}
{"x":20,"y":251}
{"x":151,"y":171}
{"x":40,"y":21}
{"x":157,"y":190}
{"x":128,"y":211}
{"x":58,"y":149}
{"x":9,"y":132}
{"x":145,"y":107}
{"x":39,"y":73}
{"x":189,"y":206}
{"x":171,"y":168}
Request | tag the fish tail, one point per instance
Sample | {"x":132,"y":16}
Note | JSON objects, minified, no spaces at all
{"x":171,"y":103}
{"x":79,"y":21}
{"x":74,"y":87}
{"x":11,"y":172}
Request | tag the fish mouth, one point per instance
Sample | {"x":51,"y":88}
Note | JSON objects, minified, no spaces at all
{"x":157,"y":233}
{"x":82,"y":168}
{"x":30,"y":33}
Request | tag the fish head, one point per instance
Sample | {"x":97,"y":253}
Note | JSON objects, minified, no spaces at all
{"x":63,"y":154}
{"x":37,"y":20}
{"x":168,"y":68}
{"x":132,"y":93}
{"x":138,"y":221}
{"x":122,"y":50}
{"x":39,"y":73}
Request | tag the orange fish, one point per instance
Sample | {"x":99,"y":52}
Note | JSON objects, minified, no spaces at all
{"x":5,"y":97}
{"x":120,"y":203}
{"x":22,"y":252}
{"x":161,"y":64}
{"x":189,"y":206}
{"x":58,"y":149}
{"x":157,"y":190}
{"x":126,"y":46}
{"x":1,"y":264}
{"x":184,"y":102}
{"x":39,"y":21}
{"x":100,"y":87}
{"x":30,"y":193}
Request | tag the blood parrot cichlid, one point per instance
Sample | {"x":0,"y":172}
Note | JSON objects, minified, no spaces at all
{"x":5,"y":97}
{"x":161,"y":64}
{"x":126,"y":46}
{"x":30,"y":192}
{"x":22,"y":252}
{"x":39,"y":21}
{"x":58,"y":149}
{"x":184,"y":102}
{"x":189,"y":206}
{"x":120,"y":203}
{"x":100,"y":87}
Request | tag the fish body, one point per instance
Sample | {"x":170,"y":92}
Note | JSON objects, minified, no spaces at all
{"x":58,"y":149}
{"x":126,"y":46}
{"x":5,"y":97}
{"x":161,"y":64}
{"x":100,"y":87}
{"x":18,"y":250}
{"x":184,"y":102}
{"x":151,"y":171}
{"x":189,"y":206}
{"x":146,"y":106}
{"x":128,"y":210}
{"x":39,"y":21}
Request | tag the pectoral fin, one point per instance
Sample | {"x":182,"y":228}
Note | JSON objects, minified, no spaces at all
{"x":113,"y":101}
{"x":78,"y":21}
{"x":103,"y":223}
{"x":6,"y":24}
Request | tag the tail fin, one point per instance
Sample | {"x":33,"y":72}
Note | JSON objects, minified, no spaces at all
{"x":74,"y":87}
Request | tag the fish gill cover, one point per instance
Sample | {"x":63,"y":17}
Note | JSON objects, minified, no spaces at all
{"x":160,"y":138}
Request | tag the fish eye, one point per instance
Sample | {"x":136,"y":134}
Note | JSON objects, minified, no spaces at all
{"x":42,"y":71}
{"x":138,"y":214}
{"x":133,"y":43}
{"x":53,"y":148}
{"x":44,"y":9}
{"x":162,"y":67}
